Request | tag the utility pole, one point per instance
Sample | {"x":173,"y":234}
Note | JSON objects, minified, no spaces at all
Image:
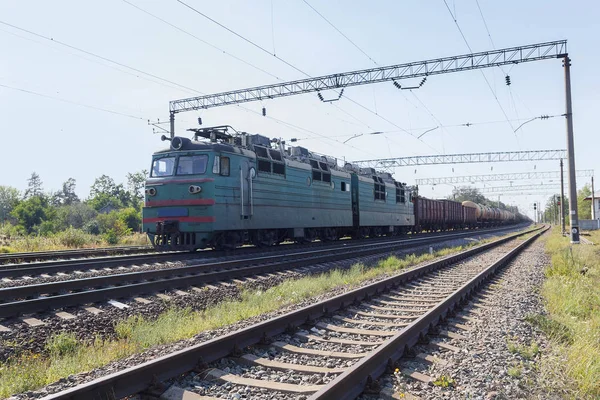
{"x":562,"y":199}
{"x":574,"y":218}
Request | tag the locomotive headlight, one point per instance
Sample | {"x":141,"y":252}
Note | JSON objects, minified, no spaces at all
{"x":151,"y":191}
{"x":193,"y":189}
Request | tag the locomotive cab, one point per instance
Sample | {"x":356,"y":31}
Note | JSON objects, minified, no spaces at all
{"x":179,"y":197}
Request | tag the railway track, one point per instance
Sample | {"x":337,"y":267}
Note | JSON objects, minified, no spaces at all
{"x":366,"y":330}
{"x":15,"y":258}
{"x":36,"y":298}
{"x":29,"y":270}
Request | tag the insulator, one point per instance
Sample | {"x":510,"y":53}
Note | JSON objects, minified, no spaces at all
{"x":264,"y":112}
{"x":320,"y":96}
{"x":199,"y":121}
{"x":423,"y":81}
{"x":398,"y":86}
{"x":507,"y":80}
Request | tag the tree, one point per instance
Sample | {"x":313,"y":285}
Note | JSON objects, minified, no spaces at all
{"x":32,"y":212}
{"x":467,"y":193}
{"x":75,"y":215}
{"x":67,"y":195}
{"x":135,"y":184}
{"x":103,"y":185}
{"x":9,"y":198}
{"x":34,"y":186}
{"x":105,"y":192}
{"x":584,"y":208}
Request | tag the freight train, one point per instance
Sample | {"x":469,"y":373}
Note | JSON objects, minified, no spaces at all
{"x":225,"y":189}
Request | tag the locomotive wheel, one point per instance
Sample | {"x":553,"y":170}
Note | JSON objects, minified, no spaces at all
{"x":264,"y":238}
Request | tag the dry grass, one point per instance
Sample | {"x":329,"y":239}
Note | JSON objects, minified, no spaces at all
{"x":572,"y":295}
{"x":66,"y":356}
{"x":67,"y":240}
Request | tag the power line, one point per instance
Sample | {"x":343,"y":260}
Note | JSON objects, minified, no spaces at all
{"x":71,"y":102}
{"x":115,"y":67}
{"x":482,"y":74}
{"x":242,"y":37}
{"x":188,"y":89}
{"x":485,"y":24}
{"x":340,"y":32}
{"x":374,"y":62}
{"x":254,"y":44}
{"x":96,"y":55}
{"x":200,"y":39}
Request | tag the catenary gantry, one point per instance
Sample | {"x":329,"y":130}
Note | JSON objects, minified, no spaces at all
{"x":500,"y":156}
{"x":498,"y":177}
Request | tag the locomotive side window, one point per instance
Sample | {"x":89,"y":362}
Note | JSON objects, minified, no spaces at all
{"x":275,"y":155}
{"x":192,"y":165}
{"x":163,"y":166}
{"x":343,"y":187}
{"x":261,"y":151}
{"x":400,"y":196}
{"x":224,"y":164}
{"x":217,"y":165}
{"x":378,"y":189}
{"x":264,"y":166}
{"x":279,"y":168}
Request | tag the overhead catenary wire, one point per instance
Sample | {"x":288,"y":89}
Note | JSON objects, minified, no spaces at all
{"x":340,"y":32}
{"x":371,"y":59}
{"x":254,"y":44}
{"x":71,"y":102}
{"x":201,"y":40}
{"x":171,"y":83}
{"x":482,"y":74}
{"x":95,"y":55}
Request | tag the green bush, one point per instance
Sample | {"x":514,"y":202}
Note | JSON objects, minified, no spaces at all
{"x":92,"y":227}
{"x":62,"y":344}
{"x":72,"y":237}
{"x":111,"y":237}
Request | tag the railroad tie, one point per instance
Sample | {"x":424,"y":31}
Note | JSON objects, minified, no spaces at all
{"x":307,"y":338}
{"x":259,"y":383}
{"x":441,"y":345}
{"x":354,"y":331}
{"x":374,"y":323}
{"x":251,"y":359}
{"x":177,"y":393}
{"x":301,"y":350}
{"x":377,"y":315}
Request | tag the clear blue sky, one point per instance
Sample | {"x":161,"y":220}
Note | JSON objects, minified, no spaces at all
{"x":59,"y":140}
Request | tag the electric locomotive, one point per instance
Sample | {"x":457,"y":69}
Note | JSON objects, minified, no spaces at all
{"x":223,"y":189}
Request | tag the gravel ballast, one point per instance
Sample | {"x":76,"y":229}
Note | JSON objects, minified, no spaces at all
{"x":231,"y":291}
{"x":496,"y":360}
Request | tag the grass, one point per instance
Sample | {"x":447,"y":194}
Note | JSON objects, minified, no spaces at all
{"x":69,"y":239}
{"x":444,"y":381}
{"x":515,"y":371}
{"x":526,"y":352}
{"x":572,"y":296}
{"x":65,"y":355}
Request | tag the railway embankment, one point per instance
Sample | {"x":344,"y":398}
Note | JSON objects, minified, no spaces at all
{"x":138,"y":339}
{"x":571,"y":321}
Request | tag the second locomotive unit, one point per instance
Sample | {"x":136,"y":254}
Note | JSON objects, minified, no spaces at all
{"x":237,"y":188}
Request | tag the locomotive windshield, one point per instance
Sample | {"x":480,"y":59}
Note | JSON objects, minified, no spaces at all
{"x":163,"y":166}
{"x":192,"y":165}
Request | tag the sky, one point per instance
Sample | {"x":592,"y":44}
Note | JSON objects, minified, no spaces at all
{"x":80,"y":80}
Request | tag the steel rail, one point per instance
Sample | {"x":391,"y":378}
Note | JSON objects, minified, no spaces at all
{"x":49,"y":255}
{"x":351,"y":383}
{"x":138,"y":378}
{"x":10,"y":271}
{"x":179,"y":277}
